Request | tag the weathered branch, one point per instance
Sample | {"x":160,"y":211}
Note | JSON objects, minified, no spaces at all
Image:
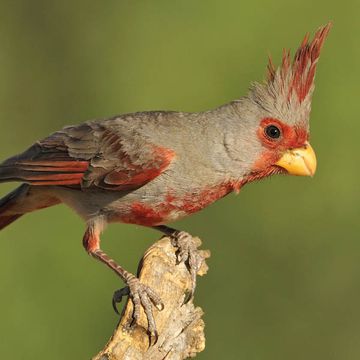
{"x":179,"y":324}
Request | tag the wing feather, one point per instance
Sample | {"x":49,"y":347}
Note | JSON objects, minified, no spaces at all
{"x":89,"y":155}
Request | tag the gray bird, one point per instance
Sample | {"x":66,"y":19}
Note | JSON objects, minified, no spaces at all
{"x":151,"y":168}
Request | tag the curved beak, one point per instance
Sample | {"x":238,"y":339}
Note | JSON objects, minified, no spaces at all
{"x":299,"y":161}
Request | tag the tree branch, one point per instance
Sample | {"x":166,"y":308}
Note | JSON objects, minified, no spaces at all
{"x":179,"y":324}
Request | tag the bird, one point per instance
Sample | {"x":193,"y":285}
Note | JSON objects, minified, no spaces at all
{"x":154,"y":167}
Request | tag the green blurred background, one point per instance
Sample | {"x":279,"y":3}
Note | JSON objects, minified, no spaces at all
{"x":284,"y":280}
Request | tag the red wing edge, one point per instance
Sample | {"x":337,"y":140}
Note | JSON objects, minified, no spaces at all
{"x":45,"y":172}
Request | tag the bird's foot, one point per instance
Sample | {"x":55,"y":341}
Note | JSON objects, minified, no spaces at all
{"x":141,"y":296}
{"x":188,"y":253}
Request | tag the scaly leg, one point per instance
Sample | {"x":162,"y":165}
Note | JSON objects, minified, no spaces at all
{"x":187,"y":250}
{"x":140,"y":294}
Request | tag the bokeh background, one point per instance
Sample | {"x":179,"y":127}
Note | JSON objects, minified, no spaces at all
{"x":284,"y":280}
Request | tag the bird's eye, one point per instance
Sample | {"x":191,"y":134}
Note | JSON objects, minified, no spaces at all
{"x":272,"y":131}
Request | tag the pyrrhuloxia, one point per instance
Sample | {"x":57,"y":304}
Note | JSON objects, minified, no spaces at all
{"x":150,"y":168}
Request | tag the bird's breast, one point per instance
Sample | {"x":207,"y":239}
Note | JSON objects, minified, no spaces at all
{"x":173,"y":206}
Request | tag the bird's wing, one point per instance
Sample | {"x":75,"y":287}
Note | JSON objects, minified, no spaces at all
{"x":89,"y":155}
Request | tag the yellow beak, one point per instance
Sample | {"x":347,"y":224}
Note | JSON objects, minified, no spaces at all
{"x":299,"y":161}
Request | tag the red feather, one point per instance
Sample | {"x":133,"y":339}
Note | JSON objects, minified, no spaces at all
{"x":302,"y":69}
{"x":42,"y":172}
{"x":137,"y":175}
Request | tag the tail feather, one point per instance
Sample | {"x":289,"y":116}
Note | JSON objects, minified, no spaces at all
{"x":7,"y":220}
{"x":22,"y":200}
{"x":8,"y":202}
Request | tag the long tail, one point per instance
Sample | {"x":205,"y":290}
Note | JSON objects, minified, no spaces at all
{"x":22,"y":200}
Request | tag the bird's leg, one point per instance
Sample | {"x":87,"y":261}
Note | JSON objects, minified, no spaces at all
{"x":187,"y":250}
{"x":140,"y":294}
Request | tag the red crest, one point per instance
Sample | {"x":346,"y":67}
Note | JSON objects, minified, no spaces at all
{"x":298,"y":76}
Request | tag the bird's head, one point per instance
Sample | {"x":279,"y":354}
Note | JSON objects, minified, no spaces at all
{"x":279,"y":111}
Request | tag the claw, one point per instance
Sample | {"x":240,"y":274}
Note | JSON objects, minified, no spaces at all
{"x":141,"y":296}
{"x":117,"y":297}
{"x":189,"y":254}
{"x":187,"y":297}
{"x":153,"y":338}
{"x":160,"y":306}
{"x":114,"y":305}
{"x":156,"y":337}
